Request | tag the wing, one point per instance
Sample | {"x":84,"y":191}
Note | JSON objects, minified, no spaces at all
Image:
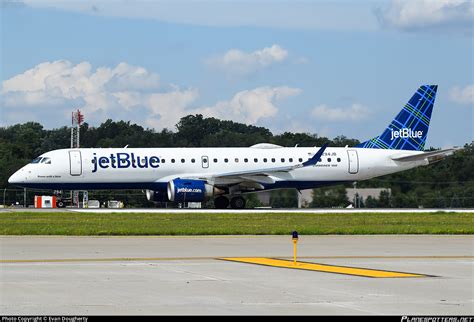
{"x":255,"y":178}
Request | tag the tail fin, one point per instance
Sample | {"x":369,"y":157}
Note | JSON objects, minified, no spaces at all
{"x":409,"y":129}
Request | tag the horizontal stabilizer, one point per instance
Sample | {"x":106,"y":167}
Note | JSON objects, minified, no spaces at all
{"x":431,"y":156}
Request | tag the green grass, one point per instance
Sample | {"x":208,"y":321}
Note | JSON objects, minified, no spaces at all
{"x":119,"y":224}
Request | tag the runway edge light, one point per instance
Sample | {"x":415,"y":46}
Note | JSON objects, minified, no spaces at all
{"x":294,"y":235}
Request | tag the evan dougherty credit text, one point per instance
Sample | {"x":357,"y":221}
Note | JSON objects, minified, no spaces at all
{"x":44,"y":319}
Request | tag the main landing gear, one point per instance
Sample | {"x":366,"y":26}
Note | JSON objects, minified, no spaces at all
{"x":222,"y":202}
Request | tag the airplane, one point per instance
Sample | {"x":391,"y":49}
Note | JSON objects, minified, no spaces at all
{"x":225,"y":174}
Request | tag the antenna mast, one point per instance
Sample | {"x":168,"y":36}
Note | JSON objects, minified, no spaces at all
{"x":76,"y":120}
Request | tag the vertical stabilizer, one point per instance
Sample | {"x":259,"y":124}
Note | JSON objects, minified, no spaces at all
{"x":409,"y":129}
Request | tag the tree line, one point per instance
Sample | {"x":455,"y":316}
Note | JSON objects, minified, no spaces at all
{"x":449,"y":183}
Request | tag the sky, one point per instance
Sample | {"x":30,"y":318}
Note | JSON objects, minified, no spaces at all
{"x":325,"y":67}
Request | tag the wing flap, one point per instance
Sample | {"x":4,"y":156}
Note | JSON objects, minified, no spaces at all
{"x":258,"y":179}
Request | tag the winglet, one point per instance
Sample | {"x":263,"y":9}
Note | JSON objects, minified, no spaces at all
{"x":316,"y":157}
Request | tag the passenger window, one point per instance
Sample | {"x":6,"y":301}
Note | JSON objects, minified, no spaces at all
{"x":193,"y":160}
{"x":282,"y":159}
{"x":236,"y":160}
{"x":300,"y":160}
{"x":255,"y":160}
{"x":246,"y":160}
{"x":226,"y":160}
{"x":273,"y":160}
{"x":264,"y":159}
{"x":163,"y":161}
{"x":172,"y":160}
{"x":338,"y":159}
{"x":291,"y":160}
{"x":329,"y":159}
{"x":182,"y":160}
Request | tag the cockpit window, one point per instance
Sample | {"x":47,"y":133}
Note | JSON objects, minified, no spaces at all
{"x":42,"y":160}
{"x":37,"y":160}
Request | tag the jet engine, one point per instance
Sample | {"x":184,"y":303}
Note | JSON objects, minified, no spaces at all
{"x":182,"y":190}
{"x":156,"y":196}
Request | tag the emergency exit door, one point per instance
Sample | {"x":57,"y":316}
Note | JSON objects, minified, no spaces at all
{"x":353,"y":161}
{"x":75,"y":163}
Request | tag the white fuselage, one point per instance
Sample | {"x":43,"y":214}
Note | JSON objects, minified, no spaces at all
{"x":153,"y":168}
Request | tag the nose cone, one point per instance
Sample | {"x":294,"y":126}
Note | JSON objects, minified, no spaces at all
{"x":16,"y":178}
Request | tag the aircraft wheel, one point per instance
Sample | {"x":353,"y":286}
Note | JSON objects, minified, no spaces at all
{"x":237,"y":202}
{"x":221,"y":202}
{"x":60,"y":204}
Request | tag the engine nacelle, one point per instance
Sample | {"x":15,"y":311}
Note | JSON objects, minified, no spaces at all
{"x":156,"y":196}
{"x":182,"y":190}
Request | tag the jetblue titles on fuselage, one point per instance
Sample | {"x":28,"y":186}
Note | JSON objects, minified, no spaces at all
{"x":122,"y":160}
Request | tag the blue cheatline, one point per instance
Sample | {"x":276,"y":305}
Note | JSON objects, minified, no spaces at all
{"x":409,"y":129}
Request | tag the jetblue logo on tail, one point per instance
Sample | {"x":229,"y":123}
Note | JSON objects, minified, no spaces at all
{"x":406,"y":134}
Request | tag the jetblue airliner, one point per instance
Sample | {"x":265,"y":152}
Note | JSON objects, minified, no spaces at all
{"x":224,"y":174}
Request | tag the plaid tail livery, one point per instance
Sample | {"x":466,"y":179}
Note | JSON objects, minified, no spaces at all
{"x":409,"y":129}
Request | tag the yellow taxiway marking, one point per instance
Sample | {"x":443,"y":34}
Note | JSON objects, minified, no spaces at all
{"x":322,"y":267}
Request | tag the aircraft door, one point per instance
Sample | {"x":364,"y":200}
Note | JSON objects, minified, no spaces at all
{"x":75,"y":163}
{"x":205,"y":162}
{"x":353,"y":161}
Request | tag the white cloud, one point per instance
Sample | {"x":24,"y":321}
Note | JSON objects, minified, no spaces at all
{"x":250,"y":106}
{"x":167,"y":108}
{"x":126,"y":77}
{"x":57,"y":83}
{"x":355,"y":112}
{"x":61,"y":86}
{"x":428,"y":14}
{"x":123,"y":92}
{"x":462,"y":95}
{"x":239,"y":62}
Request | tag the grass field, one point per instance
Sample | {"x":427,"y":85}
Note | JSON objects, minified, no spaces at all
{"x":120,"y":224}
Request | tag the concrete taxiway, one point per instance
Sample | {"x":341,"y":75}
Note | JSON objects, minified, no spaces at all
{"x":186,"y":275}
